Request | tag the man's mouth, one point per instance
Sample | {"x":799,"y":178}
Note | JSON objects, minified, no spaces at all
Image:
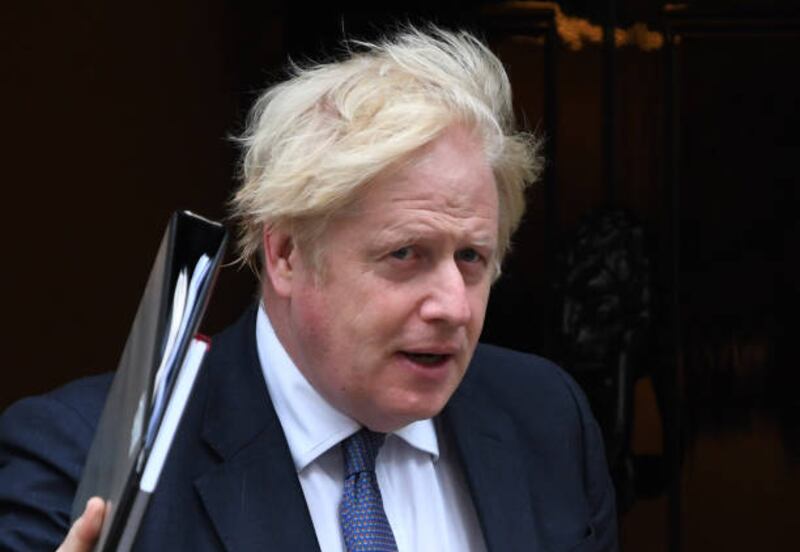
{"x":427,"y":359}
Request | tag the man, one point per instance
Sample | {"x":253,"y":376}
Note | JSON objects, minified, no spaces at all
{"x":380,"y":193}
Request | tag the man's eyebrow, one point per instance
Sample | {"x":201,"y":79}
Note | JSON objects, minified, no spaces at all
{"x":400,"y":234}
{"x":395,"y":235}
{"x":484,"y":240}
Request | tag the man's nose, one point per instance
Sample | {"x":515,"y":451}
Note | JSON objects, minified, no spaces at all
{"x":447,"y":299}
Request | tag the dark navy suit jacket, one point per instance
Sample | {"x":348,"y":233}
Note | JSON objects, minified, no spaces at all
{"x":530,"y":450}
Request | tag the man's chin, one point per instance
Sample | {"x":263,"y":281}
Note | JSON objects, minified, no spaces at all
{"x":400,"y":415}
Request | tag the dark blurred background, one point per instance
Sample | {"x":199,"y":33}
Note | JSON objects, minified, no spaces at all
{"x":658,"y":261}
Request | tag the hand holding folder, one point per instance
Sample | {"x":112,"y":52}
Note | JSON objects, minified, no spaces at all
{"x":83,"y":534}
{"x":153,"y":384}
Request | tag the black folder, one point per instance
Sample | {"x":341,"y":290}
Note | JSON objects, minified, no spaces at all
{"x":153,"y":379}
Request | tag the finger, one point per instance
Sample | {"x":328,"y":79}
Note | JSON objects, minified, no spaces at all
{"x":84,"y":532}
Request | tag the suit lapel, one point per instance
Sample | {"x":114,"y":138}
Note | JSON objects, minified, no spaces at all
{"x":487,"y":444}
{"x":253,"y":496}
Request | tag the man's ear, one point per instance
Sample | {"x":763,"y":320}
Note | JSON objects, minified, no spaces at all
{"x":280,"y":257}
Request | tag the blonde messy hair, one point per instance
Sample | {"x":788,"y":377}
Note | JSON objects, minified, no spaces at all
{"x":314,"y":141}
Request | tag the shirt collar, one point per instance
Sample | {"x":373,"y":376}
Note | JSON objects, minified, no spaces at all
{"x":311,"y":424}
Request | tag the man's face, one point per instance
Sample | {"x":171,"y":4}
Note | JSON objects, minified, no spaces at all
{"x":387,"y":332}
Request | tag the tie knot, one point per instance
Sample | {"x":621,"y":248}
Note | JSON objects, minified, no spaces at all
{"x":360,"y":451}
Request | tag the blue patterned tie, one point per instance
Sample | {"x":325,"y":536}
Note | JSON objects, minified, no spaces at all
{"x":364,"y":524}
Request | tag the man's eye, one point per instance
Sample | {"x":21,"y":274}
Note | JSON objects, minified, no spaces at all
{"x":401,"y":254}
{"x":468,"y":255}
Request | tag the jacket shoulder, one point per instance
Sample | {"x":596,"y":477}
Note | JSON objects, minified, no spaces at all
{"x":523,"y":378}
{"x":541,"y":399}
{"x":43,"y":446}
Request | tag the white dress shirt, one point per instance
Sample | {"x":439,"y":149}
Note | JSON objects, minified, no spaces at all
{"x":424,"y":494}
